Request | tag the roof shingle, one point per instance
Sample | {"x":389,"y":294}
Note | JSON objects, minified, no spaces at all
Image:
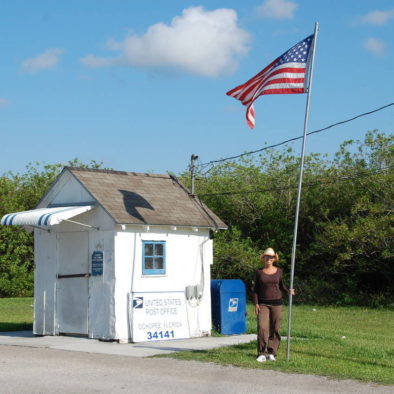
{"x":135,"y":198}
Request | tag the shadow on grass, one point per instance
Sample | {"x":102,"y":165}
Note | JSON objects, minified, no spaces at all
{"x":344,"y":358}
{"x":8,"y":326}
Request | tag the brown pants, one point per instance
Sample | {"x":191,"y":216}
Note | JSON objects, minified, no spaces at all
{"x":268,"y":326}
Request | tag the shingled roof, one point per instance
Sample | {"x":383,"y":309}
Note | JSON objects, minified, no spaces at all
{"x":152,"y":199}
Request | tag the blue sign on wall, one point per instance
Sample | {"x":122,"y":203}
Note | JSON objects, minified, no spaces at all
{"x":97,"y":263}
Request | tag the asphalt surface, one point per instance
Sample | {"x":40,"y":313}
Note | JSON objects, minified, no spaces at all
{"x":37,"y":365}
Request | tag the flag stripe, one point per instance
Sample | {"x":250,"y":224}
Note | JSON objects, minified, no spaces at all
{"x":294,"y":82}
{"x":284,"y":91}
{"x":250,"y":116}
{"x":256,"y":77}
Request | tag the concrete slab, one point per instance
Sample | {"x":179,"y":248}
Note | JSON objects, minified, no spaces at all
{"x":142,"y":349}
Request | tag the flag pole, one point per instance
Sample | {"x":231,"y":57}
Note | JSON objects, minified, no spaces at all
{"x":293,"y":252}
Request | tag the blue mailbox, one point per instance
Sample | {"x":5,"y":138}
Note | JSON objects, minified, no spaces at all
{"x":228,"y":297}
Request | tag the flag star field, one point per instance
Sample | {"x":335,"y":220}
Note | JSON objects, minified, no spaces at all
{"x":299,"y":53}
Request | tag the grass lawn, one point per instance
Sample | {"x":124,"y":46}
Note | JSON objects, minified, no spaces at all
{"x":16,"y":314}
{"x":340,"y":342}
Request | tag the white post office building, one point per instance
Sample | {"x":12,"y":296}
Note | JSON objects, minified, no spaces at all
{"x":120,"y":256}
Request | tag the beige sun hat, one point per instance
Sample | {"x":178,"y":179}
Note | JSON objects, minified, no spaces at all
{"x":270,"y":252}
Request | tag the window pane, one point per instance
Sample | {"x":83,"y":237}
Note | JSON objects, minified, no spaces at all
{"x":148,"y":249}
{"x":148,"y":263}
{"x":159,"y":250}
{"x":159,"y":263}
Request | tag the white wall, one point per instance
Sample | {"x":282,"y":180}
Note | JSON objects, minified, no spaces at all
{"x":97,"y":217}
{"x":186,"y":251}
{"x":45,"y":256}
{"x":102,"y":288}
{"x":124,"y":256}
{"x":66,"y":190}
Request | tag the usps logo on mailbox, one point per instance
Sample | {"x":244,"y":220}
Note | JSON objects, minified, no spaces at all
{"x":233,"y":305}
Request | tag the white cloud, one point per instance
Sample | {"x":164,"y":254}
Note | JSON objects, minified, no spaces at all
{"x":374,"y":45}
{"x":3,"y":102}
{"x":46,"y":60}
{"x":277,"y":9}
{"x":378,"y":17}
{"x":207,"y":43}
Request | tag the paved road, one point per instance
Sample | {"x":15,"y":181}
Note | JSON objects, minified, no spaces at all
{"x":46,"y":370}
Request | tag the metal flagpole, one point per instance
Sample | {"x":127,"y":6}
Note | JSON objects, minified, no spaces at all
{"x":299,"y":190}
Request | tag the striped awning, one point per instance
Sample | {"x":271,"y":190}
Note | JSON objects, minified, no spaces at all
{"x":44,"y":217}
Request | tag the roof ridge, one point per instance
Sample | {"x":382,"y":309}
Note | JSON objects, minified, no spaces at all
{"x":116,"y":172}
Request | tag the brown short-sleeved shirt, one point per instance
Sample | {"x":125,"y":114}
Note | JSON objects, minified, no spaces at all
{"x":268,"y":288}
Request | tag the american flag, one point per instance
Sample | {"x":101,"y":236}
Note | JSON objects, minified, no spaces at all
{"x":285,"y":75}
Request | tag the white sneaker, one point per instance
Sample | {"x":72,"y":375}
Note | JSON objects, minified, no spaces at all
{"x":271,"y":357}
{"x":261,"y":359}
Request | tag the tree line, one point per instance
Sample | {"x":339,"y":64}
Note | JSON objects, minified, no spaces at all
{"x":345,"y":245}
{"x":22,"y":192}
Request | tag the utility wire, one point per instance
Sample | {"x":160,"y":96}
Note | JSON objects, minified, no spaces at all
{"x":310,"y":184}
{"x":296,"y":138}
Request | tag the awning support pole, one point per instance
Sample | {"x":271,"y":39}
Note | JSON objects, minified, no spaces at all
{"x":81,"y":224}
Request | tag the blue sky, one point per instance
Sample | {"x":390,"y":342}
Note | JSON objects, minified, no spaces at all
{"x":140,"y":85}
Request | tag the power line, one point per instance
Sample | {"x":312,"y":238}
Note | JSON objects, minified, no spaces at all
{"x":296,"y":138}
{"x":305,"y":185}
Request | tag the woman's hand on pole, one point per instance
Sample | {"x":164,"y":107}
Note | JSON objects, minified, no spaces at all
{"x":292,"y":291}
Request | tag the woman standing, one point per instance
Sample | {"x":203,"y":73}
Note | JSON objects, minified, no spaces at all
{"x":268,"y":288}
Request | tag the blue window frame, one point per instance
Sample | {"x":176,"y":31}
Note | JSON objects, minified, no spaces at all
{"x":153,"y":257}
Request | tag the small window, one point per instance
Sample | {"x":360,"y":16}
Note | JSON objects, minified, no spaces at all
{"x":153,"y":257}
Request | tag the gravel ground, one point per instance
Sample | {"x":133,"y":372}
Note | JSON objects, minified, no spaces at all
{"x":43,"y":370}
